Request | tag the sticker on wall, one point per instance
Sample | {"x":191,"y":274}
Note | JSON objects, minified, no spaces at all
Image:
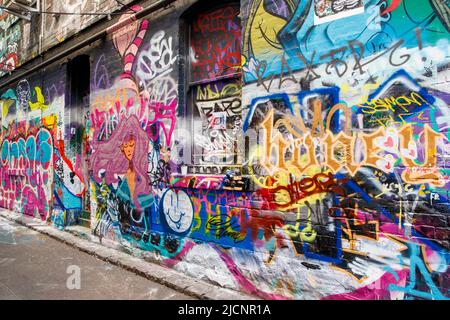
{"x":329,"y":10}
{"x":177,"y":211}
{"x":219,"y":120}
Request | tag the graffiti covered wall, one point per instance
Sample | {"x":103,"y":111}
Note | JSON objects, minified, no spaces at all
{"x":32,"y":120}
{"x":292,"y":149}
{"x":348,"y":119}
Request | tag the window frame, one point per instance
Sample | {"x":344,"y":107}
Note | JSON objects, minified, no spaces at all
{"x":194,"y":166}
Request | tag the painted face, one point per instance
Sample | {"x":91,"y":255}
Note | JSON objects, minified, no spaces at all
{"x":128,"y":148}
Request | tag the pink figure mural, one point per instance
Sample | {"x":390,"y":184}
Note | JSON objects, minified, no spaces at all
{"x":123,"y":159}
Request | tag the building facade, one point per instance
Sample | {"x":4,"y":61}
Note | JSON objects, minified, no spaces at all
{"x":291,"y":149}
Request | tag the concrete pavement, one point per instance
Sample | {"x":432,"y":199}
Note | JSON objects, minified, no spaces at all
{"x":35,"y":266}
{"x":150,"y":274}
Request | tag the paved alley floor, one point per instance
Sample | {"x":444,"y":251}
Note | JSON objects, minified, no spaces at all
{"x":35,"y":266}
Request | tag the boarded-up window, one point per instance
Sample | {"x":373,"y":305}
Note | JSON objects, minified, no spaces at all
{"x":215,"y":85}
{"x":215,"y":44}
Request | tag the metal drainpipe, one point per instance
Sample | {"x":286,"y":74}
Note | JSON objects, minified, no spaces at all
{"x":41,"y":33}
{"x":152,"y":8}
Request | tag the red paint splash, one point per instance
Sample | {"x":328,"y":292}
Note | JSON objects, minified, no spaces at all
{"x":392,"y":7}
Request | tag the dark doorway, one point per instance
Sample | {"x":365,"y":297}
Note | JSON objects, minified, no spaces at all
{"x":77,"y":111}
{"x":79,"y":74}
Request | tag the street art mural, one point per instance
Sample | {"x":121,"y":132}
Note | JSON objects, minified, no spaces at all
{"x":353,"y":154}
{"x":29,"y":128}
{"x":312,"y":162}
{"x":29,"y":162}
{"x":339,"y":48}
{"x":39,"y":178}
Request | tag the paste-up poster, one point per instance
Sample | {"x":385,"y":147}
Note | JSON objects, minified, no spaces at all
{"x":219,"y":120}
{"x":329,"y":10}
